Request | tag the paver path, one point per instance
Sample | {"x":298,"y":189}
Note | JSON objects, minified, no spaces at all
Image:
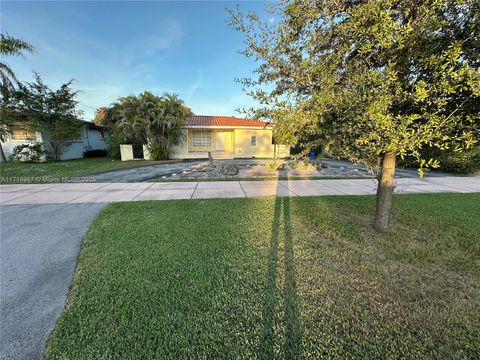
{"x":39,"y":248}
{"x":112,"y":192}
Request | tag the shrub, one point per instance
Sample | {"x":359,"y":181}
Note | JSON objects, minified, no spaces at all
{"x":159,"y":151}
{"x":275,"y":165}
{"x":30,"y":152}
{"x":464,"y":163}
{"x":95,"y":153}
{"x":302,"y":165}
{"x":114,"y":140}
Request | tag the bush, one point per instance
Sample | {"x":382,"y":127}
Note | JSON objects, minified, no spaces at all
{"x":31,"y":152}
{"x":302,"y":165}
{"x":464,"y":163}
{"x":275,"y":165}
{"x":114,"y":140}
{"x":95,"y":153}
{"x":159,"y":152}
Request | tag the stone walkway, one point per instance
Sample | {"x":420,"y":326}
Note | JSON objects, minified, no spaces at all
{"x":113,"y":192}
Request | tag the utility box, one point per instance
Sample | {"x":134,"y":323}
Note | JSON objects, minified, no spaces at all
{"x":126,"y":152}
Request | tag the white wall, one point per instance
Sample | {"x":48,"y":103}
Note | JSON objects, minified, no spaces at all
{"x":90,"y":140}
{"x":10,"y":144}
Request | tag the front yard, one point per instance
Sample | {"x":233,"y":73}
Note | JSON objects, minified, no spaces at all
{"x":64,"y":171}
{"x":276,"y":278}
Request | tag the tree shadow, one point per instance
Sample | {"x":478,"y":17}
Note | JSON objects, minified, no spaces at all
{"x":291,"y":347}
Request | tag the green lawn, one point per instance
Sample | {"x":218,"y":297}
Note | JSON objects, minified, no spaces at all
{"x":61,"y":171}
{"x":276,"y":278}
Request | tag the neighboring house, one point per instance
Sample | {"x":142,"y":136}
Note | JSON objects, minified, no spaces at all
{"x":227,"y":138}
{"x":92,"y":138}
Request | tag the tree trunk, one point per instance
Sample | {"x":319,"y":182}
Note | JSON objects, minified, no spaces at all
{"x":3,"y":159}
{"x":384,"y":193}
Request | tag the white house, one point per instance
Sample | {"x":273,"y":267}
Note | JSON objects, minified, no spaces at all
{"x":92,"y":138}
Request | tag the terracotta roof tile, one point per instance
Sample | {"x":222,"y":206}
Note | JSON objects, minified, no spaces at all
{"x":205,"y":120}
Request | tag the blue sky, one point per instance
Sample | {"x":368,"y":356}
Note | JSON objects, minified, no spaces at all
{"x":114,"y":49}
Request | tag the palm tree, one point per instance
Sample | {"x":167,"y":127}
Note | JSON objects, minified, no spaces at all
{"x":9,"y":46}
{"x":156,"y":121}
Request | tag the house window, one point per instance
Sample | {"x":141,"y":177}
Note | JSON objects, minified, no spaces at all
{"x":101,"y":135}
{"x":253,"y":141}
{"x":201,"y":138}
{"x":19,"y":132}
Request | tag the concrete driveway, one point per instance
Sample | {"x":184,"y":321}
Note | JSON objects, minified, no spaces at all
{"x":39,"y":248}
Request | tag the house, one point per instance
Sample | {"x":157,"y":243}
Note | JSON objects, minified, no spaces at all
{"x":227,"y":137}
{"x":92,"y":138}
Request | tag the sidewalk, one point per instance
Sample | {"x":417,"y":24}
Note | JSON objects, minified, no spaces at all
{"x":113,"y":192}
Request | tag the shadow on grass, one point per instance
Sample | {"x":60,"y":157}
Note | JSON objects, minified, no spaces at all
{"x":291,"y":347}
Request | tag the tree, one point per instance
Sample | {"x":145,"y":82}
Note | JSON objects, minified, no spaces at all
{"x":53,"y":113}
{"x":156,"y":121}
{"x":110,"y":118}
{"x":370,"y":80}
{"x":100,"y":115}
{"x":9,"y":46}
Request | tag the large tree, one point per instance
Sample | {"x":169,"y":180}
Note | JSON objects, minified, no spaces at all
{"x":156,"y":120}
{"x":370,"y":80}
{"x":9,"y":46}
{"x":53,"y":113}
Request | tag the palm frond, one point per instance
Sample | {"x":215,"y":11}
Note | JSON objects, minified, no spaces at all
{"x":7,"y":76}
{"x":10,"y":46}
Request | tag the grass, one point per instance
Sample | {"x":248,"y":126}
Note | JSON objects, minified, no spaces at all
{"x":276,"y":278}
{"x":62,"y":171}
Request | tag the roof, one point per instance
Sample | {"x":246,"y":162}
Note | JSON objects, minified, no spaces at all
{"x":223,"y":121}
{"x":92,"y":125}
{"x":89,"y":124}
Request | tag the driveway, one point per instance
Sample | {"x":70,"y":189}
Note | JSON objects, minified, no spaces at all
{"x":39,"y":248}
{"x":146,"y":173}
{"x":201,"y":169}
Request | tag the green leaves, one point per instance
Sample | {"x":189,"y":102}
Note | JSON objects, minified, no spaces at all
{"x":53,"y":113}
{"x":364,"y":78}
{"x":10,"y":46}
{"x":155,"y":121}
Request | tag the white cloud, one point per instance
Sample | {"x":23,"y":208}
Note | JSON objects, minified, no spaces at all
{"x":194,"y":87}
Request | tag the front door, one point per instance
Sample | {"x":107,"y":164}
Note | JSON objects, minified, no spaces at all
{"x":220,"y":141}
{"x":223,"y":141}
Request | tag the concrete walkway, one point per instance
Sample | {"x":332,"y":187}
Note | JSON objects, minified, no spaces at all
{"x":39,"y":250}
{"x":113,"y":192}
